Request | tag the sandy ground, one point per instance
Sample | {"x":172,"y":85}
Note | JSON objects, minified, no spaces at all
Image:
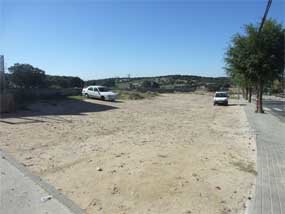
{"x":176,"y":153}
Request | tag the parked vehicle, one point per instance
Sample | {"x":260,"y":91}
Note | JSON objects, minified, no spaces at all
{"x":99,"y":92}
{"x":221,"y":97}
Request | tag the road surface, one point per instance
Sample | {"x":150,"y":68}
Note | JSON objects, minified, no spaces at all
{"x":275,"y":107}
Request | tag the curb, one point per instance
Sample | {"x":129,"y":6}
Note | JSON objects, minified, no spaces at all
{"x":252,"y":191}
{"x":43,"y":184}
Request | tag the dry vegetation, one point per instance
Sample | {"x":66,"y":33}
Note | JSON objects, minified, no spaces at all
{"x":134,"y":95}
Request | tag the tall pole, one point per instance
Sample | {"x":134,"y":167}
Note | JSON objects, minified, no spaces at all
{"x":260,"y":88}
{"x":2,"y":74}
{"x":283,"y":87}
{"x":265,"y":15}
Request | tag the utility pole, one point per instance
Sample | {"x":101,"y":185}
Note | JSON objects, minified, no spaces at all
{"x":259,"y":91}
{"x":2,"y":74}
{"x":265,"y":15}
{"x":283,"y":85}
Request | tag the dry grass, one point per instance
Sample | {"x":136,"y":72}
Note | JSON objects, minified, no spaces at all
{"x":134,"y":95}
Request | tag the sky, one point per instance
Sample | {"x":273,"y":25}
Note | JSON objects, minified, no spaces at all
{"x":96,"y":39}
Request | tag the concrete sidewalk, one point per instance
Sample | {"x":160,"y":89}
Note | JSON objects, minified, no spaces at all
{"x":23,"y":193}
{"x":270,"y":184}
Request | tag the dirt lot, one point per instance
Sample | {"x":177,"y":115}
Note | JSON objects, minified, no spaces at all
{"x":176,"y":153}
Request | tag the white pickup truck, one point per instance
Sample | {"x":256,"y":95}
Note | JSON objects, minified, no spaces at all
{"x":99,"y":92}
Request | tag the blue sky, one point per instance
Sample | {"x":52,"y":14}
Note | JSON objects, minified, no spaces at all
{"x":98,"y":39}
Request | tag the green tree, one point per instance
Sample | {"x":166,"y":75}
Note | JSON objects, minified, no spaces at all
{"x":266,"y":59}
{"x":27,"y":76}
{"x":64,"y":82}
{"x":236,"y":67}
{"x":76,"y":82}
{"x":257,"y":58}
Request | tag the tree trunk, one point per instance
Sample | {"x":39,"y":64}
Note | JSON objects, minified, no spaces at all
{"x":259,"y":108}
{"x":257,"y":99}
{"x":243,"y":93}
{"x":250,"y":94}
{"x":246,"y":93}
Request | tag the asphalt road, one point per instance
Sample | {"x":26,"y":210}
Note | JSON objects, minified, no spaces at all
{"x":275,"y":107}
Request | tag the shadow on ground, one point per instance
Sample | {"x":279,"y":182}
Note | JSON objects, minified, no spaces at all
{"x":237,"y":104}
{"x":40,"y":111}
{"x":274,"y":102}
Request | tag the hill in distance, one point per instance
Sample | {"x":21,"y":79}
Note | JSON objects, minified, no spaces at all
{"x":165,"y":83}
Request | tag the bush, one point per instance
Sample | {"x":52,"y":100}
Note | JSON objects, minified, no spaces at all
{"x":134,"y":95}
{"x":64,"y":82}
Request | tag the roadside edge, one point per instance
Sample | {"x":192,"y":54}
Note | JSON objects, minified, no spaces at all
{"x":43,"y":184}
{"x":252,"y":191}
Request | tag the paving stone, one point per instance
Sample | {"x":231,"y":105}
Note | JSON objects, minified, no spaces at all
{"x":270,"y":184}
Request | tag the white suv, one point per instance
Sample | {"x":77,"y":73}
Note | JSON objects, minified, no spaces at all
{"x":221,"y":97}
{"x":100,"y":92}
